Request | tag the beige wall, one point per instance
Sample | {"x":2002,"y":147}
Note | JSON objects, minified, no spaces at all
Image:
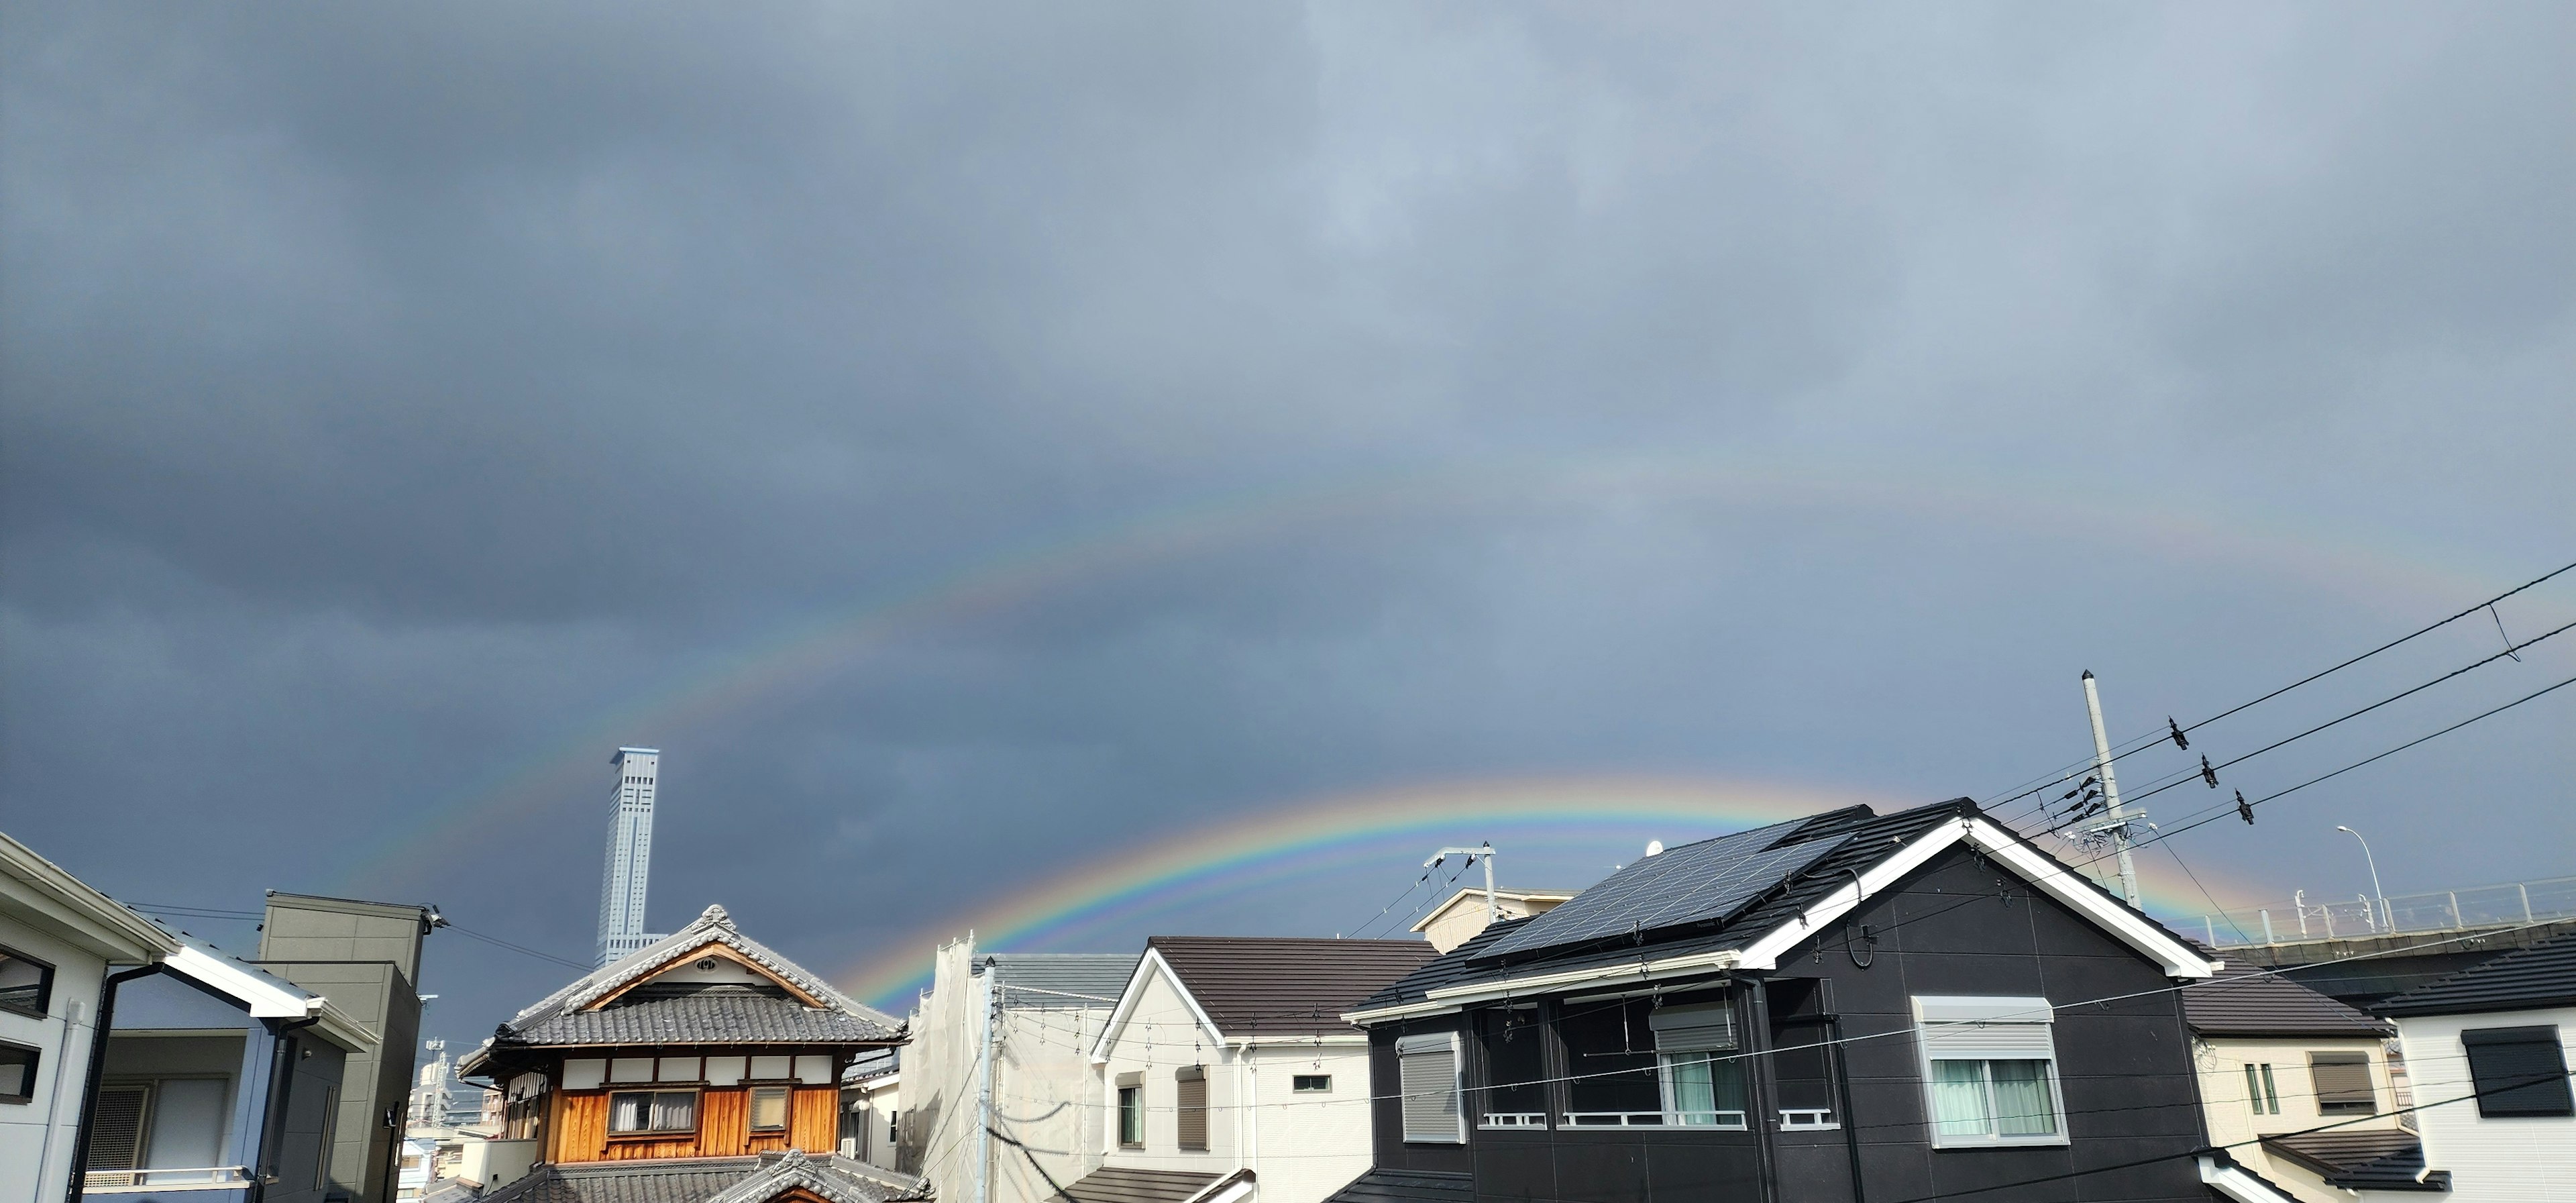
{"x":2234,"y":1125}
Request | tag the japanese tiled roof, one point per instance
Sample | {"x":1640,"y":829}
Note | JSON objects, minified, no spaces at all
{"x":2361,"y":1158}
{"x":1406,"y":1186}
{"x":707,"y":1180}
{"x":1118,"y":1184}
{"x":2251,"y":1002}
{"x":652,"y":1012}
{"x":1059,"y":980}
{"x":1253,"y":984}
{"x":2526,"y":979}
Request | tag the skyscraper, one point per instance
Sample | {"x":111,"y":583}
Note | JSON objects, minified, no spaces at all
{"x":630,"y":855}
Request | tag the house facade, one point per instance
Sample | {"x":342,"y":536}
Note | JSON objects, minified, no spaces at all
{"x":1469,"y":911}
{"x":1227,"y":1073}
{"x":703,"y":1061}
{"x":2488,"y":1050}
{"x":1842,"y":1008}
{"x":2296,"y":1087}
{"x":364,"y":957}
{"x":58,"y":937}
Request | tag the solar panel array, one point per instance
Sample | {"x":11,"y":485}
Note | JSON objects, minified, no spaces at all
{"x":1711,"y":879}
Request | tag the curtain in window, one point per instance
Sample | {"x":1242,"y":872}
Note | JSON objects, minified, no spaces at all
{"x":629,"y":1112}
{"x":675,"y":1112}
{"x":2022,"y":1106}
{"x":1699,"y":1085}
{"x":1959,"y":1098}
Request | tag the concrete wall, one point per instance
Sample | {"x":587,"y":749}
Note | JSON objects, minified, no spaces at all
{"x":2506,"y":1160}
{"x":36,"y":1137}
{"x":365,"y":958}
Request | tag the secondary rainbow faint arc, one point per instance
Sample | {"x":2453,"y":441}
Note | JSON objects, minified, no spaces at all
{"x":1301,"y":837}
{"x":814,"y":650}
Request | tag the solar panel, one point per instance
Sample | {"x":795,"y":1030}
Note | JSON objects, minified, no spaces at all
{"x":1711,"y":879}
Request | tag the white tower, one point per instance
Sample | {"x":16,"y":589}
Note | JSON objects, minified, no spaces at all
{"x":630,"y":856}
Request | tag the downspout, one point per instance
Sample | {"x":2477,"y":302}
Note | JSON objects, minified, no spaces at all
{"x":281,"y":1087}
{"x":1765,"y":1088}
{"x":1851,"y":1121}
{"x":1247,"y":1113}
{"x":97,"y":1065}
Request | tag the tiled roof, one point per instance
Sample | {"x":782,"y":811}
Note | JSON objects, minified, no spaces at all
{"x":704,"y":1180}
{"x":1117,"y":1184}
{"x":741,"y":1015}
{"x":2526,"y":979}
{"x":1058,"y":980}
{"x":1251,"y":984}
{"x":2361,"y":1158}
{"x":1406,"y":1186}
{"x":2251,"y":1002}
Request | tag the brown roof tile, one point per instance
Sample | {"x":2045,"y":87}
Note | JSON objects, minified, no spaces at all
{"x":1250,"y":984}
{"x":2249,"y":1002}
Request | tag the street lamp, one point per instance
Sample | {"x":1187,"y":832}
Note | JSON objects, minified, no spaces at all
{"x":2373,"y":862}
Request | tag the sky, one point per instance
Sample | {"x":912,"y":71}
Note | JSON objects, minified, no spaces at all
{"x":978,"y":442}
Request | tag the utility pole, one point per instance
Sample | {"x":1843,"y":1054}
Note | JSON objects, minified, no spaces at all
{"x":1487,"y":852}
{"x":2116,"y":825}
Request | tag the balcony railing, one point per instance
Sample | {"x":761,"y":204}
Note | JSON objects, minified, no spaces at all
{"x":1655,"y":1119}
{"x":212,"y":1177}
{"x":1513,"y":1119}
{"x":2508,"y":905}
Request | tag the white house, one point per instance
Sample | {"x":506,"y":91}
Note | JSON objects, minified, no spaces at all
{"x":57,"y":938}
{"x":2487,"y":1049}
{"x":1228,"y":1075}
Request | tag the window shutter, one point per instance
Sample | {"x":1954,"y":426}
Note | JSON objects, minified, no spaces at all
{"x":2000,"y":1027}
{"x":1193,"y":1108}
{"x":2343,"y":1082}
{"x":1710,"y":1027}
{"x":2517,"y":1071}
{"x":116,"y":1128}
{"x":1427,"y":1067}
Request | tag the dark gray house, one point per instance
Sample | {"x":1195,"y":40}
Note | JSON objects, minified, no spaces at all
{"x":1848,"y":1008}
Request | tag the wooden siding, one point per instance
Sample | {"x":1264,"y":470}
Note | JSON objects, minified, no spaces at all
{"x":579,"y":1129}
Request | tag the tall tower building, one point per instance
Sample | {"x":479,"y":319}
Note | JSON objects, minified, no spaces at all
{"x":630,"y":855}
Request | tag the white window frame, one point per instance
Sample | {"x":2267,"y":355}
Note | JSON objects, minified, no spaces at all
{"x":1700,"y":1029}
{"x":1955,"y":1020}
{"x":1445,"y":1043}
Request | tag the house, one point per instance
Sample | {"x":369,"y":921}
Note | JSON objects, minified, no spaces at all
{"x":2488,"y":1050}
{"x":1228,"y":1074}
{"x":221,"y":1083}
{"x":703,"y":1068}
{"x":1002,"y":1043}
{"x":2296,"y":1086}
{"x":1846,"y":1007}
{"x":58,"y":937}
{"x":364,"y":957}
{"x":1457,"y":921}
{"x":872,"y":1108}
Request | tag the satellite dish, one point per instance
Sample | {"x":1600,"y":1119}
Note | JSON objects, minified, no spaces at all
{"x":1654,"y":847}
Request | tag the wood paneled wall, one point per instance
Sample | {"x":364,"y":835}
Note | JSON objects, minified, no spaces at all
{"x":579,"y":1127}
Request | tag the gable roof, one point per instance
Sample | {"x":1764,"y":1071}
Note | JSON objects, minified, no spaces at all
{"x":605,"y":1007}
{"x":1248,"y":985}
{"x":2251,"y":1002}
{"x":1059,"y":980}
{"x":708,"y":1180}
{"x":260,"y":994}
{"x":2526,"y":979}
{"x":1864,"y":854}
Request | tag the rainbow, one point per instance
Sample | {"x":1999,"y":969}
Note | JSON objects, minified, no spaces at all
{"x":1103,"y":905}
{"x":565,"y":769}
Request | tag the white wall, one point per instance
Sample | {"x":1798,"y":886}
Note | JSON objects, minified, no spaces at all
{"x":1045,"y":1095}
{"x":1306,"y":1146}
{"x":1159,"y":1035}
{"x":2523,"y":1160}
{"x":2231,"y":1118}
{"x":36,"y":1138}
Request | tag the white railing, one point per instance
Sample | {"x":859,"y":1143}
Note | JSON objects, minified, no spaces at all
{"x":2507,"y":905}
{"x":1655,"y":1119}
{"x":1807,"y":1119}
{"x":1513,"y":1119}
{"x":211,"y":1177}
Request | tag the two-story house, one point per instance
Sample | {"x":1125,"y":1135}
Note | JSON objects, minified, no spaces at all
{"x":703,"y":1067}
{"x":1847,"y":1007}
{"x":2488,"y":1049}
{"x":2296,"y":1086}
{"x":1228,"y":1074}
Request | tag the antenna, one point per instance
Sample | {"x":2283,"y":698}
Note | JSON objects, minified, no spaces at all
{"x":1486,"y":851}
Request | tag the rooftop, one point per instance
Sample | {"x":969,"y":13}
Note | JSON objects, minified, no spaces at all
{"x":1059,"y":980}
{"x":2251,"y":1002}
{"x":1250,"y":984}
{"x":2543,"y":975}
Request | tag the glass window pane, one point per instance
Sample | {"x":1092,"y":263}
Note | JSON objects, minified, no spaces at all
{"x":769,"y":1109}
{"x":2022,"y":1105}
{"x":675,"y":1112}
{"x":2253,"y":1091}
{"x":1613,"y":1054}
{"x":1959,"y":1099}
{"x":1688,"y":1091}
{"x":626,"y":1112}
{"x":2271,"y":1092}
{"x":1513,"y":1062}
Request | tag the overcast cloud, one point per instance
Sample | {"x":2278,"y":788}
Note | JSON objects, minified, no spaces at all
{"x":400,"y":400}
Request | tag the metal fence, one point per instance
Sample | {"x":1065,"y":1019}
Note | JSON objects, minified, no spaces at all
{"x":2301,"y":918}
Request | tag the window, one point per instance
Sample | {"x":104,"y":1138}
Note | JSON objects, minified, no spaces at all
{"x":26,"y":984}
{"x":1610,"y":1053}
{"x":1702,"y":1082}
{"x":2518,"y":1071}
{"x":2343,"y":1083}
{"x":1802,"y":1062}
{"x":1311,"y":1083}
{"x":650,"y":1111}
{"x":1515,"y":1048}
{"x":18,"y":1072}
{"x":2260,"y":1092}
{"x":330,"y":1135}
{"x":1131,"y":1111}
{"x":1193,"y":1108}
{"x":1989,"y":1070}
{"x":1427,"y":1076}
{"x":116,"y":1127}
{"x":523,"y":1117}
{"x":768,"y":1108}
